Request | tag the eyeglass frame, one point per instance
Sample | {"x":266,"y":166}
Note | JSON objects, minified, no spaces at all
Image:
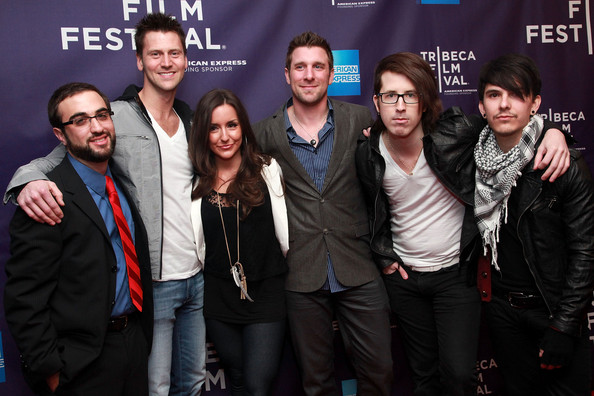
{"x":381,"y":96}
{"x":88,"y":118}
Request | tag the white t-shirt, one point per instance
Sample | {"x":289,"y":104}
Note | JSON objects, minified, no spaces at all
{"x":426,"y":219}
{"x":179,"y":257}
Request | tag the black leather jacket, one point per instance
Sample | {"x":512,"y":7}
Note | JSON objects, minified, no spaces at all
{"x":556,"y":229}
{"x":447,"y":160}
{"x":555,"y":225}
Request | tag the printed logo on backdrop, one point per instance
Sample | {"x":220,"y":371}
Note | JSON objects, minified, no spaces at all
{"x":449,"y":67}
{"x":349,"y":387}
{"x":566,"y":118}
{"x":205,"y":66}
{"x":215,"y":376}
{"x":347,"y":76}
{"x":485,"y":368}
{"x":573,"y":27}
{"x":2,"y":368}
{"x":352,"y":4}
{"x":438,"y":1}
{"x":120,"y":38}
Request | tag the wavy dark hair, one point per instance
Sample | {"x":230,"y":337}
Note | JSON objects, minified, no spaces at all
{"x":248,"y":185}
{"x":516,"y":73}
{"x":419,"y":72}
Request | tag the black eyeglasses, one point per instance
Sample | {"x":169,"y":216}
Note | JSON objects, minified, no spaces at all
{"x":83,"y":120}
{"x":393,"y":97}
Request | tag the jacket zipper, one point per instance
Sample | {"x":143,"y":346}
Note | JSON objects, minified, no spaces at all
{"x":524,"y":253}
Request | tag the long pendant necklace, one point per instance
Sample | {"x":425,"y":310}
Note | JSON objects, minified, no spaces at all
{"x":236,"y":269}
{"x":313,"y":140}
{"x":399,"y":159}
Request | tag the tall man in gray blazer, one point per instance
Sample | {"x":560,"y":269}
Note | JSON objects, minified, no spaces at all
{"x":331,"y":271}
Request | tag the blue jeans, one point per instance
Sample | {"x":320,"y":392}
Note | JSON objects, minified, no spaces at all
{"x":177,"y":363}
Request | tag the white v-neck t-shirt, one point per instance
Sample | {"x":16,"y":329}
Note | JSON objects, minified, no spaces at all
{"x":179,"y":258}
{"x":426,"y":219}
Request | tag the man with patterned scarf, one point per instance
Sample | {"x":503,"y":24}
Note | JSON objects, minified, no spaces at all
{"x":539,"y":236}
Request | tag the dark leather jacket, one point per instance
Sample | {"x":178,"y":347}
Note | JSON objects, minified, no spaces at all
{"x":555,"y":225}
{"x":556,"y":220}
{"x":448,"y":160}
{"x":556,"y":229}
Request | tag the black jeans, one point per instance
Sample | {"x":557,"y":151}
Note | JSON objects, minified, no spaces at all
{"x":250,"y":353}
{"x":362,"y":313}
{"x":439,"y":317}
{"x":516,"y":334}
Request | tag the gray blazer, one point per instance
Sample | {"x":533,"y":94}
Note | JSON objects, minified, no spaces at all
{"x":333,"y":220}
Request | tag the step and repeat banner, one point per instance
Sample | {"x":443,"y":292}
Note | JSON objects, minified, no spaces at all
{"x":241,"y":45}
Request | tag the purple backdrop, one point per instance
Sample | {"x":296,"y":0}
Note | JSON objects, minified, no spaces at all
{"x":240,"y":45}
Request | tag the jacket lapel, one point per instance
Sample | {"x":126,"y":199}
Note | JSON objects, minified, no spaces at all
{"x":80,"y":196}
{"x":281,"y":142}
{"x":340,"y":143}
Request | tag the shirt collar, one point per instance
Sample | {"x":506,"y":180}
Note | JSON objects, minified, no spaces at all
{"x":289,"y":128}
{"x":92,"y":179}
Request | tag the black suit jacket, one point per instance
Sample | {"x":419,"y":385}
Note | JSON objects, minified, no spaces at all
{"x":61,"y":283}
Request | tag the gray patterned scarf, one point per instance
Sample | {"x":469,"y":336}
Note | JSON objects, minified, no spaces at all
{"x":496,"y":174}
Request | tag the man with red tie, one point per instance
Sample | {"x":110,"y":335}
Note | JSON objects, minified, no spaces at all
{"x":78,"y":296}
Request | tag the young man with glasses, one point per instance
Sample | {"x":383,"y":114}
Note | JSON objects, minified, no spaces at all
{"x":424,"y":237}
{"x":152,"y":159}
{"x":79,"y":304}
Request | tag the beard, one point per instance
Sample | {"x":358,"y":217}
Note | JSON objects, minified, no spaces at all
{"x":86,"y":153}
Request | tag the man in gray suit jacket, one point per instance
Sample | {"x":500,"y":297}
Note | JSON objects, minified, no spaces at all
{"x":331,"y":271}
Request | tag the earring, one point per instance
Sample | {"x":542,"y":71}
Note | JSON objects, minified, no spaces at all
{"x":484,"y":115}
{"x":533,"y":112}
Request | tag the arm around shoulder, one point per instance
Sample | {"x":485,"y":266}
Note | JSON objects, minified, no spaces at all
{"x":34,"y":170}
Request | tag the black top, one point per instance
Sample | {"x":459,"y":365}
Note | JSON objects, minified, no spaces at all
{"x":515,"y":274}
{"x":260,"y":255}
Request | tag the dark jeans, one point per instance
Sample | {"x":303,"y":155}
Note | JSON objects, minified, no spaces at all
{"x":363,"y":318}
{"x":439,"y":317}
{"x":516,"y":334}
{"x":250,"y":354}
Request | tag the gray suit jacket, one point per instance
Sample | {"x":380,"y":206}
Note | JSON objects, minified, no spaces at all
{"x":333,"y":220}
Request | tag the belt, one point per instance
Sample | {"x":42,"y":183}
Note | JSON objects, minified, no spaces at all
{"x":119,"y":323}
{"x":430,"y":268}
{"x":520,"y":300}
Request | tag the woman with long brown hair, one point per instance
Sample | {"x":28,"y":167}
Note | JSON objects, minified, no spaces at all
{"x":240,"y":224}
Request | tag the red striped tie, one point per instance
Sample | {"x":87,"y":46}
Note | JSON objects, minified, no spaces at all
{"x":129,"y":251}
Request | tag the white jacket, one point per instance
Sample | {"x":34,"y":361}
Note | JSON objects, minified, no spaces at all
{"x":272,"y":175}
